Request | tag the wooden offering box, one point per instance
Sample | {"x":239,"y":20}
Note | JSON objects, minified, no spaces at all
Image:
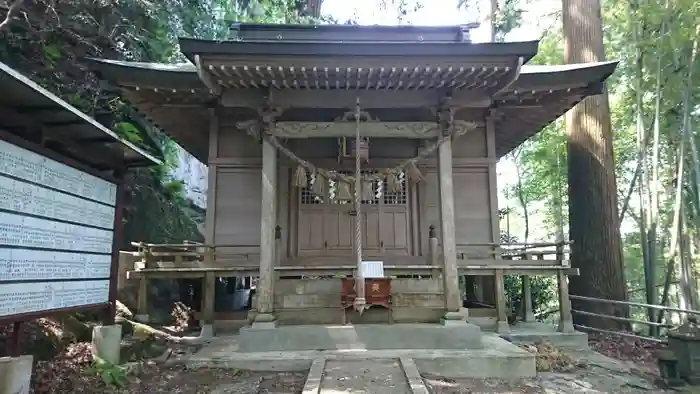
{"x":377,"y":292}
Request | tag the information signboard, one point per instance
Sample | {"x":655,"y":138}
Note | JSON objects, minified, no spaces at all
{"x":56,"y":232}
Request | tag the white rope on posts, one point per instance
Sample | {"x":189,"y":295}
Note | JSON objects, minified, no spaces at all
{"x":360,"y":303}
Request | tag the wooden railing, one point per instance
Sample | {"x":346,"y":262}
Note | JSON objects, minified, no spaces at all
{"x":197,"y":261}
{"x":192,"y":260}
{"x":658,"y":330}
{"x":525,"y":260}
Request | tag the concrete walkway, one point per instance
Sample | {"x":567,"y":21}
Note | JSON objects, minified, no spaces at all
{"x":386,"y":376}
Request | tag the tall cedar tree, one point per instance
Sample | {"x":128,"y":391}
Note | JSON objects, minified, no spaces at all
{"x":593,"y":212}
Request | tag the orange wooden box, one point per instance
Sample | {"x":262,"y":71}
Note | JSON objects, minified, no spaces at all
{"x":377,"y":292}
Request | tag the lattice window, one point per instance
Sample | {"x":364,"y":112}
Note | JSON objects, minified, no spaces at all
{"x":400,"y":197}
{"x":378,"y":191}
{"x":307,"y":195}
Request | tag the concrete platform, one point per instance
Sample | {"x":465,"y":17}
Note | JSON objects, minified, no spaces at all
{"x":536,"y":332}
{"x":497,"y":359}
{"x":361,"y":337}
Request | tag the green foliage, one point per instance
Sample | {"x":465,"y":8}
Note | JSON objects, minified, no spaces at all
{"x":507,"y":16}
{"x":645,"y":36}
{"x":112,"y":376}
{"x":158,"y":212}
{"x":129,"y":131}
{"x":543,"y":292}
{"x":137,"y":30}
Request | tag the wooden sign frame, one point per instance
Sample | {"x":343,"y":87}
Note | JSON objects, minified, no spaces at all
{"x":60,"y":230}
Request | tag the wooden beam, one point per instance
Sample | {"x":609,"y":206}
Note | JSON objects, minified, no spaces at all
{"x":346,"y":99}
{"x":206,"y":77}
{"x":553,"y":97}
{"x":60,"y":136}
{"x":373,"y":129}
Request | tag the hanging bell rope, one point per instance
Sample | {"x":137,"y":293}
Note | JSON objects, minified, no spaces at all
{"x":359,"y":303}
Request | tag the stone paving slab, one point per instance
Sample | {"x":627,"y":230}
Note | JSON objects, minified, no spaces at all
{"x":380,"y":376}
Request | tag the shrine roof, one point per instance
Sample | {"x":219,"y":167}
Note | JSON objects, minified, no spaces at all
{"x":451,"y":49}
{"x":239,"y":73}
{"x":65,"y":128}
{"x":351,"y":33}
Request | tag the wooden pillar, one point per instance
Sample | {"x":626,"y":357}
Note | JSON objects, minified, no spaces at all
{"x":434,"y":253}
{"x":142,"y":301}
{"x":566,"y":323}
{"x":142,"y":294}
{"x":212,"y":176}
{"x":528,"y":314}
{"x":486,"y":283}
{"x":278,"y":257}
{"x":502,"y":326}
{"x":116,"y":244}
{"x":209,"y":289}
{"x":450,"y":274}
{"x":265,"y":317}
{"x":208,"y":295}
{"x":208,"y":282}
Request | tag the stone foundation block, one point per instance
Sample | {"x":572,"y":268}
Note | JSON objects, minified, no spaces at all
{"x":207,"y":331}
{"x":360,"y":336}
{"x":15,"y":374}
{"x":106,"y":343}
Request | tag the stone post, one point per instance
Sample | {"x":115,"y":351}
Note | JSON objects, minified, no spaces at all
{"x":16,"y":374}
{"x":447,"y":222}
{"x":106,"y":343}
{"x":265,"y":317}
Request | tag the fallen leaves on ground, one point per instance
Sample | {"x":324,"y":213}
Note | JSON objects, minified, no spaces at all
{"x":550,"y":359}
{"x":63,"y":373}
{"x":639,"y":351}
{"x":69,"y":373}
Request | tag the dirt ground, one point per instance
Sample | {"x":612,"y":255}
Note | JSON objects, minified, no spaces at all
{"x":628,"y":368}
{"x":153,"y":378}
{"x":178,"y":379}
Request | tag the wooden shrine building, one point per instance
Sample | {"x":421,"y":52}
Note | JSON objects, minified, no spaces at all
{"x":285,"y":117}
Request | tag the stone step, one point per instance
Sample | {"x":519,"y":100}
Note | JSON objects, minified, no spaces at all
{"x":497,"y":359}
{"x":360,"y":337}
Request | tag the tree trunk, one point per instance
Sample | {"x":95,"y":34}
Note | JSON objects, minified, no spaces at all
{"x":593,"y":217}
